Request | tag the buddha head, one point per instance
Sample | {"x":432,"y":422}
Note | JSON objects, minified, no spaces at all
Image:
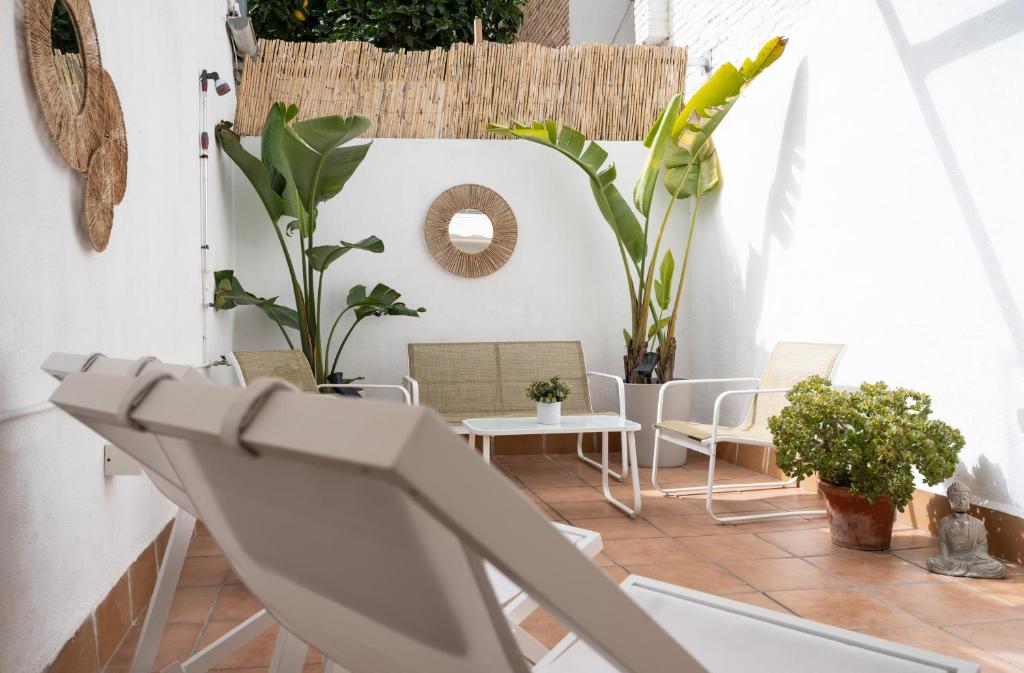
{"x":959,"y":497}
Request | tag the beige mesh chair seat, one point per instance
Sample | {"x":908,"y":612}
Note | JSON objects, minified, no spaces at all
{"x":402,"y":587}
{"x":463,"y":380}
{"x":292,"y":366}
{"x":788,"y":364}
{"x":703,"y":432}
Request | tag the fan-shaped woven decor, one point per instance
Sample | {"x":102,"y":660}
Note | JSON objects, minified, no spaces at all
{"x":88,"y":129}
{"x":439,"y":242}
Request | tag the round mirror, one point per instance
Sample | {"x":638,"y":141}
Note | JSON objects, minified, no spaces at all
{"x":67,"y":56}
{"x":470,"y":230}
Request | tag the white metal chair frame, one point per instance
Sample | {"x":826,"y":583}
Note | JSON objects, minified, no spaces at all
{"x":709,"y":447}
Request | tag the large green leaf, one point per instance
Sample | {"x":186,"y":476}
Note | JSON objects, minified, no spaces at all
{"x":229,"y":294}
{"x":309,"y":157}
{"x":693,"y":162}
{"x":663,"y":284}
{"x":589,"y":156}
{"x":659,"y":140}
{"x":255,"y":171}
{"x":381,"y":300}
{"x":322,"y":256}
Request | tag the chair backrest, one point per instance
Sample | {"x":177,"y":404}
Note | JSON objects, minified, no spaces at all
{"x":790,"y":363}
{"x":477,"y":379}
{"x":290,"y":365}
{"x":141,"y":446}
{"x":362,"y":526}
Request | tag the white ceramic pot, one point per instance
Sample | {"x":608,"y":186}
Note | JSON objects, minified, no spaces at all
{"x":549,"y":413}
{"x":642,"y":408}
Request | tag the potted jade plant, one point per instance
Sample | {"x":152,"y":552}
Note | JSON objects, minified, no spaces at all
{"x":549,"y":396}
{"x":864,"y":445}
{"x":683,"y":157}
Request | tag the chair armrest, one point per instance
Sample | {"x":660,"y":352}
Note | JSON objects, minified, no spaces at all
{"x":414,"y":389}
{"x":620,"y":388}
{"x":721,"y":398}
{"x":388,"y":386}
{"x":691,"y":382}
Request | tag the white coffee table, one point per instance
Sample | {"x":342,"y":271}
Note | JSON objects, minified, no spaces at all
{"x":488,"y":428}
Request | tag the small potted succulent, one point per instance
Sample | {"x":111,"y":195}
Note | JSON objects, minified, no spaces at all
{"x":865,"y":446}
{"x":549,"y":396}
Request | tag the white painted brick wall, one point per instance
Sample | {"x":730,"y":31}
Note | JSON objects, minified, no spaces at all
{"x":731,"y":29}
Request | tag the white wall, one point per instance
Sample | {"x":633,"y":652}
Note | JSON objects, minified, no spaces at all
{"x":871,"y":197}
{"x":68,"y":533}
{"x":601,"y":21}
{"x":564,"y":281}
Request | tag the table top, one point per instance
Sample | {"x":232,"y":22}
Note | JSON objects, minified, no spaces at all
{"x":529,"y":425}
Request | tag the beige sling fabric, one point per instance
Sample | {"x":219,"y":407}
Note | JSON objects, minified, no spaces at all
{"x":789,"y":363}
{"x":289,"y":365}
{"x":480,"y":379}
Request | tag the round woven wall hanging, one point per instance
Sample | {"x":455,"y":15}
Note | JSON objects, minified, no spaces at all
{"x":79,"y":102}
{"x":439,"y":239}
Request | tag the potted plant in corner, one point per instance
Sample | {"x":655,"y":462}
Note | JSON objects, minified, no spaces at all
{"x":549,"y":396}
{"x":684,"y":158}
{"x":864,"y":446}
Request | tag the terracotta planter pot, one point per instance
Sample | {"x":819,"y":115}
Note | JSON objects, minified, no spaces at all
{"x":855,"y":522}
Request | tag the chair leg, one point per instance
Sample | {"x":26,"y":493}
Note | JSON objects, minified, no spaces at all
{"x":289,"y":654}
{"x":711,"y":488}
{"x":228,"y":644}
{"x":163,"y":594}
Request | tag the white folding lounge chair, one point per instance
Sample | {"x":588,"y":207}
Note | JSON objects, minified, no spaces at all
{"x":788,"y":364}
{"x":142,"y":446}
{"x":402,"y":586}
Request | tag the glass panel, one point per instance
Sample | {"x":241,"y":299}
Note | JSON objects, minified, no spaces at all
{"x":67,"y":56}
{"x":470,"y":230}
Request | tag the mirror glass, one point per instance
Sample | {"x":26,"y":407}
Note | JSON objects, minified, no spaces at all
{"x":470,"y":230}
{"x":67,"y":56}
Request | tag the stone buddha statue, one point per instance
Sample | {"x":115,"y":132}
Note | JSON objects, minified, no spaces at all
{"x":963,"y":541}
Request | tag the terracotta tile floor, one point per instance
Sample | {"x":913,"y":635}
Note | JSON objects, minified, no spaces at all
{"x":787,"y":565}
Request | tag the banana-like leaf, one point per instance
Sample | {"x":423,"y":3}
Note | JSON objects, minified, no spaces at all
{"x":695,"y":164}
{"x":663,"y":284}
{"x":589,"y":156}
{"x":229,"y":294}
{"x":381,"y":300}
{"x":322,"y":256}
{"x":698,"y":177}
{"x":659,"y":140}
{"x":257,"y":173}
{"x":309,"y":158}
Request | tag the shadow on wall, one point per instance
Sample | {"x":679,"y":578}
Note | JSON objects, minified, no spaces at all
{"x":919,"y":60}
{"x":744,"y":294}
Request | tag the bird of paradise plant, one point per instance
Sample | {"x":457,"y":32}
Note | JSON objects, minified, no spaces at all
{"x":683,"y":156}
{"x":300,"y":166}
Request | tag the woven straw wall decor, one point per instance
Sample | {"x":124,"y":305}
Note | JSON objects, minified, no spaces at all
{"x":87,"y":126}
{"x":439,"y":241}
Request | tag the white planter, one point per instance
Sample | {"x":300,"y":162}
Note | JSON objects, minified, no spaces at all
{"x":642,"y":408}
{"x":549,"y":413}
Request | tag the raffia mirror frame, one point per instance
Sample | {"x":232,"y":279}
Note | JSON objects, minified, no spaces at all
{"x":439,"y":242}
{"x":92,"y":139}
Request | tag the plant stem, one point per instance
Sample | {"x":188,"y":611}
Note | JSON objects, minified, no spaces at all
{"x":682,"y":273}
{"x":334,"y":364}
{"x":330,"y":337}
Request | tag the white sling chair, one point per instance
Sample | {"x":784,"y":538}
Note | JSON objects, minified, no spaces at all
{"x":144,"y":448}
{"x":788,"y":364}
{"x":281,"y":479}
